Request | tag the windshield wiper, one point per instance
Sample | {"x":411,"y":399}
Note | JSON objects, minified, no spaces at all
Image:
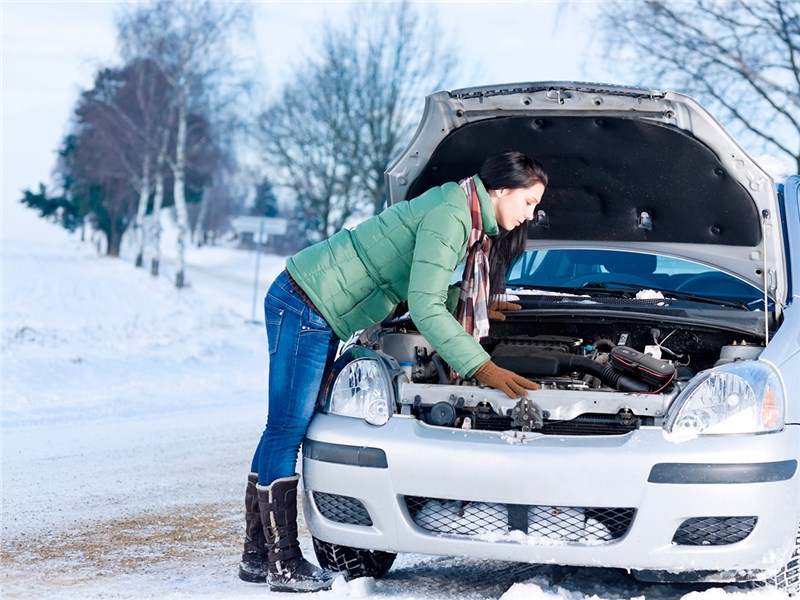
{"x":627,"y":287}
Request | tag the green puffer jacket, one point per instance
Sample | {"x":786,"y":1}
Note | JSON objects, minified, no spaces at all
{"x":407,"y":252}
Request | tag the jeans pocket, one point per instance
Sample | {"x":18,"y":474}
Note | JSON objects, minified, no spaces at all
{"x":316,"y":321}
{"x":273,"y":318}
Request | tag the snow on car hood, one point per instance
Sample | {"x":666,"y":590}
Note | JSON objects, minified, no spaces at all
{"x":629,"y":168}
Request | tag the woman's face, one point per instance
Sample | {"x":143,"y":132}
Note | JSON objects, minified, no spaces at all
{"x":514,"y":206}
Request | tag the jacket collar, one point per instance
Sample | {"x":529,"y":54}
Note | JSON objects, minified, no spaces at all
{"x":487,"y":208}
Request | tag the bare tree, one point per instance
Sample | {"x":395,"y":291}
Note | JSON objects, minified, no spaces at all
{"x":137,"y":115}
{"x":213,"y":168}
{"x":95,"y":184}
{"x":399,"y":55}
{"x":157,"y":123}
{"x":351,"y":109}
{"x":742,"y":57}
{"x":190,"y":42}
{"x":211,"y":217}
{"x":307,"y":140}
{"x":101,"y":162}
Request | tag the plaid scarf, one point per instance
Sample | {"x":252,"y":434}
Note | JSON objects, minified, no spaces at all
{"x":473,"y":301}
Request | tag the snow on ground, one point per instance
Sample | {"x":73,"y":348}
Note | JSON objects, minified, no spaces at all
{"x":130,"y":411}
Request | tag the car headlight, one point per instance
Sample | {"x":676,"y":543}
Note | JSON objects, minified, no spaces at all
{"x":362,"y":390}
{"x":740,"y":397}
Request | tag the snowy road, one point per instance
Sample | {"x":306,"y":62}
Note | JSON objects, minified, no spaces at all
{"x":110,"y":469}
{"x":129,"y":414}
{"x":88,"y":502}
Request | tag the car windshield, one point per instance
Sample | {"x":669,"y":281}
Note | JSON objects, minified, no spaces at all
{"x":571,"y":268}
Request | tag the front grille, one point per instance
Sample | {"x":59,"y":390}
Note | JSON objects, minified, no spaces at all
{"x":591,"y":424}
{"x":342,"y":509}
{"x":587,"y":424}
{"x":492,"y":423}
{"x":713,"y":531}
{"x":469,"y":519}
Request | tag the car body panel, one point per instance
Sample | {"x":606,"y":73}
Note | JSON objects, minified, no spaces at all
{"x":791,"y":195}
{"x":602,"y":471}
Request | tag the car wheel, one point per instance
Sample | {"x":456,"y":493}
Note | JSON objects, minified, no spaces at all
{"x":353,"y":562}
{"x":788,"y":579}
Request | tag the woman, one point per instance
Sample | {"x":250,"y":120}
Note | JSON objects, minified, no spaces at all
{"x":352,"y":281}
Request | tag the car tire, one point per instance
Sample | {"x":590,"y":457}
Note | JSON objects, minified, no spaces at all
{"x":788,"y":578}
{"x":353,"y":562}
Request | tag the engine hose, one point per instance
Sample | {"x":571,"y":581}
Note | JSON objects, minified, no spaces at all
{"x":557,"y":363}
{"x":440,"y":369}
{"x":605,"y":373}
{"x":618,"y":380}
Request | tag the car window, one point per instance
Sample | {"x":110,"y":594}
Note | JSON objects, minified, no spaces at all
{"x":571,"y":268}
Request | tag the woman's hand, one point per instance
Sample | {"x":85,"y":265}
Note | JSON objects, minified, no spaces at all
{"x":498,"y":305}
{"x":509,"y":382}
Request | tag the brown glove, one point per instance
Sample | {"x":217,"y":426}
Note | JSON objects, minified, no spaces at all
{"x":498,"y":305}
{"x":512,"y":384}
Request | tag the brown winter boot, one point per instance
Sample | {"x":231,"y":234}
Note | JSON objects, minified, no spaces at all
{"x":253,"y":567}
{"x":288,"y":571}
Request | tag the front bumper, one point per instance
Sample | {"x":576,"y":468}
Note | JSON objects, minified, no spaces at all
{"x":382,"y":467}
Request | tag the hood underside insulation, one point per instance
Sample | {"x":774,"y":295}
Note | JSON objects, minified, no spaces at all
{"x":604,"y":173}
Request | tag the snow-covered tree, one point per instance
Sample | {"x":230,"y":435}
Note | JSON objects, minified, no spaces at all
{"x":191,"y":44}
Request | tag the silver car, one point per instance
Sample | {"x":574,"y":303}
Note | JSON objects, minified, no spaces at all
{"x":660,"y":295}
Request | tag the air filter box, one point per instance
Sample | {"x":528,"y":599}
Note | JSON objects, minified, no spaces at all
{"x":651,"y":370}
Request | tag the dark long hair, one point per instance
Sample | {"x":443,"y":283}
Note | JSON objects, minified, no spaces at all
{"x":508,"y":170}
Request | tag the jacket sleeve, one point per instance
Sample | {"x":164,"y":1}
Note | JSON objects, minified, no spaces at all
{"x":453,"y":293}
{"x":441,"y":238}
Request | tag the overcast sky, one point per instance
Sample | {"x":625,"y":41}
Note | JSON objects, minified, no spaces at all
{"x":51,"y":51}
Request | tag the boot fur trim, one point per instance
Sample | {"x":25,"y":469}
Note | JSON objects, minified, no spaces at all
{"x":287,"y":479}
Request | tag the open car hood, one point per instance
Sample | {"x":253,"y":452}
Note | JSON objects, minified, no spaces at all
{"x":633,"y":168}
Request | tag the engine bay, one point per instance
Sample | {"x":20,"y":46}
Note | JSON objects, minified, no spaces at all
{"x":601,"y":377}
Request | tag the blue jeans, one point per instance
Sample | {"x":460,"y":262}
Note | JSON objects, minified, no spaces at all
{"x":301,"y":346}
